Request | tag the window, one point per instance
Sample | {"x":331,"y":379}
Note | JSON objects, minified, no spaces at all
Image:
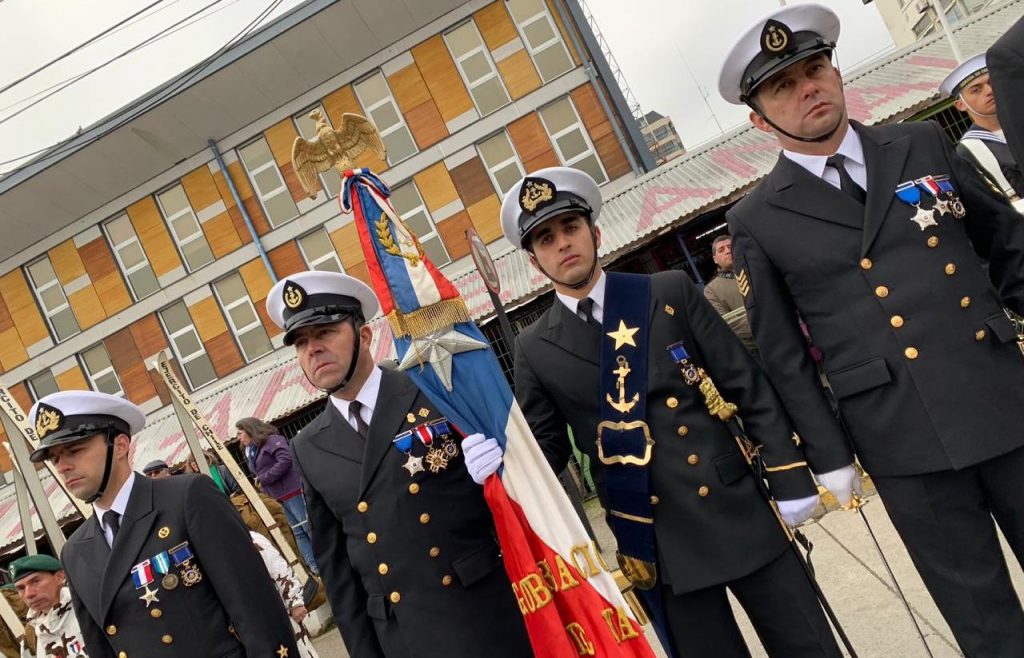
{"x":245,"y":322}
{"x":100,"y":371}
{"x":42,"y":384}
{"x":185,"y":228}
{"x":330,"y":179}
{"x":476,"y":67}
{"x":407,"y":201}
{"x":502,"y":162}
{"x":380,"y":106}
{"x":318,"y":252}
{"x":571,"y":140}
{"x":51,"y":297}
{"x":541,"y":37}
{"x":268,"y":182}
{"x":923,"y":26}
{"x":130,"y":257}
{"x":187,"y":346}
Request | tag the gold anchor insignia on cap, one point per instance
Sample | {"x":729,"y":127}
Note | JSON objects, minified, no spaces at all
{"x":775,"y":37}
{"x":48,"y":419}
{"x":535,"y":192}
{"x":294,"y":296}
{"x":164,"y":533}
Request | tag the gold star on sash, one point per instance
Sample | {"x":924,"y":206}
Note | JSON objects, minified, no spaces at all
{"x":623,"y":335}
{"x":282,"y":651}
{"x":796,"y":438}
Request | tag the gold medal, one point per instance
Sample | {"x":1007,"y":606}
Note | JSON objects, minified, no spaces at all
{"x":450,"y":448}
{"x":170,"y":581}
{"x":190,"y":573}
{"x":436,"y":460}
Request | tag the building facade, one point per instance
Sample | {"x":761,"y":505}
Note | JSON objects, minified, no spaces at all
{"x":178,"y":218}
{"x":662,"y":139}
{"x":911,"y":20}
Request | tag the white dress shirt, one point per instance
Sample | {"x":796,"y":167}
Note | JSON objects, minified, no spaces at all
{"x":119,"y":505}
{"x":855,"y":166}
{"x":596,"y":293}
{"x":367,"y":396}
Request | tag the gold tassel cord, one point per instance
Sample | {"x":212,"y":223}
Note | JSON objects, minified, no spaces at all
{"x":429,"y":319}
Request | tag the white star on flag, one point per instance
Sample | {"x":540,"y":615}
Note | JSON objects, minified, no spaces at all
{"x":437,"y":349}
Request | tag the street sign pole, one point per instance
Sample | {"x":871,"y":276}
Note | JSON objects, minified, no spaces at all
{"x":489,"y":273}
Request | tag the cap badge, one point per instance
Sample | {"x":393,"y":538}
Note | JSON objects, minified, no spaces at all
{"x":48,"y":420}
{"x":294,"y":296}
{"x":775,"y":37}
{"x":536,"y":193}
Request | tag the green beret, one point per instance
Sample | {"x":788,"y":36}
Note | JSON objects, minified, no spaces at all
{"x":30,"y":564}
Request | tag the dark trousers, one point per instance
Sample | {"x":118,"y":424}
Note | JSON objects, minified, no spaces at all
{"x":946,"y":522}
{"x":780,"y":603}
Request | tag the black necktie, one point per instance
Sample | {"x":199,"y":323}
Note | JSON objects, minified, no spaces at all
{"x":355,"y":407}
{"x":846,"y":183}
{"x":586,"y":310}
{"x":112,"y":520}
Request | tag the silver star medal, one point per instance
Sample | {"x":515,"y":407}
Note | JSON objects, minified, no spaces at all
{"x":924,"y":218}
{"x":941,"y":207}
{"x":414,"y":465}
{"x":437,"y":349}
{"x":149,"y":596}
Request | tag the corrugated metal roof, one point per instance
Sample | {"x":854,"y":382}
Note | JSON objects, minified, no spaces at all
{"x":708,"y":177}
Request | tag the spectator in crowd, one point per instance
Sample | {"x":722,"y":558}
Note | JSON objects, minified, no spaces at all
{"x":51,"y":630}
{"x":157,"y":469}
{"x":270,"y":460}
{"x":724,"y":294}
{"x":8,"y":640}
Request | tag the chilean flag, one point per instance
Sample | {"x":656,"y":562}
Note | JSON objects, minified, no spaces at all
{"x":566,"y":593}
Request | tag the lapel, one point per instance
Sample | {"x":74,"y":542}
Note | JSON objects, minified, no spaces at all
{"x":92,"y":550}
{"x":884,"y":159}
{"x":333,"y":434}
{"x":568,"y":332}
{"x":797,"y":190}
{"x":138,"y":520}
{"x":396,"y":395}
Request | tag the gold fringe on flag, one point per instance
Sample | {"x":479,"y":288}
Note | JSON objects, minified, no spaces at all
{"x":429,"y":319}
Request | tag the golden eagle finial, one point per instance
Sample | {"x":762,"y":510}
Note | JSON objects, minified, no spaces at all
{"x":333,"y":147}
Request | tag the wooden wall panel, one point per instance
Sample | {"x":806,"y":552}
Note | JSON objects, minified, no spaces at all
{"x":105,"y":275}
{"x":471,"y":181}
{"x":426,"y":124}
{"x":268,"y":324}
{"x":12,"y":353}
{"x":72,"y":379}
{"x":280,"y":137}
{"x":287,"y":259}
{"x":154,"y":235}
{"x":453,"y":232}
{"x":208,"y":319}
{"x":565,"y":35}
{"x":6,"y":321}
{"x":137,"y":383}
{"x":85,"y":304}
{"x":21,"y":395}
{"x":5,"y":459}
{"x":599,"y":127}
{"x":257,"y":280}
{"x":436,"y":186}
{"x":66,"y":262}
{"x":148,"y":336}
{"x":245,"y":192}
{"x":291,"y":181}
{"x":21,"y":304}
{"x":495,"y":25}
{"x":161,"y":386}
{"x":201,"y":189}
{"x":221,"y":234}
{"x":241,"y":230}
{"x":338,"y":103}
{"x":224,"y":354}
{"x":519,"y":74}
{"x":346,"y":243}
{"x":122,"y":349}
{"x":442,"y":78}
{"x":486,"y":216}
{"x":408,"y":88}
{"x":530,"y":140}
{"x":360,"y":272}
{"x":546,"y":159}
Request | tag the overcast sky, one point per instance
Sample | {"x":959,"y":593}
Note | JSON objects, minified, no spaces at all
{"x":652,"y":41}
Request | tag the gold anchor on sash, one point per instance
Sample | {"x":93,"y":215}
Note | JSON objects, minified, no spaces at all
{"x":622,"y":406}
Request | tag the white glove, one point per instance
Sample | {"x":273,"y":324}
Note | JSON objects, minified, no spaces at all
{"x":842,"y":482}
{"x":797,"y":511}
{"x":483,"y":456}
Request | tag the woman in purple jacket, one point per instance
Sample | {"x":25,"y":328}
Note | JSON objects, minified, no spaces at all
{"x":270,"y":460}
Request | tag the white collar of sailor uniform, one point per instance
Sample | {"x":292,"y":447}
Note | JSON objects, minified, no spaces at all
{"x":851,"y":147}
{"x":596,"y":293}
{"x":120,"y":503}
{"x":367,"y":396}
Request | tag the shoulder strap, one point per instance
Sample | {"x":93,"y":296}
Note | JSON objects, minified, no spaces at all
{"x":984,"y":157}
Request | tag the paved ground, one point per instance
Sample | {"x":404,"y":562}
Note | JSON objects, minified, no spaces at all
{"x":854,"y":580}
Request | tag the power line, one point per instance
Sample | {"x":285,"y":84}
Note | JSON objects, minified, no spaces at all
{"x":64,"y":84}
{"x":78,"y":47}
{"x":187,"y":76}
